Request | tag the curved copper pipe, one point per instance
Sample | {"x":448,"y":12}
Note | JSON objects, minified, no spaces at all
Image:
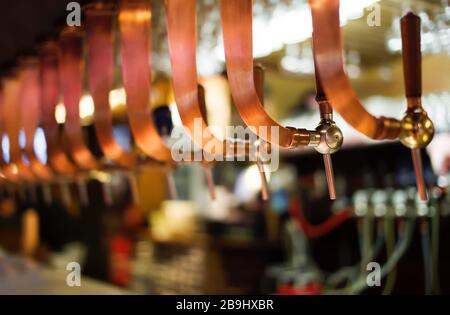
{"x":30,"y":105}
{"x":237,"y":35}
{"x":71,"y":77}
{"x":135,"y":39}
{"x":48,"y":56}
{"x":2,"y":158}
{"x":11,"y":118}
{"x":181,"y":34}
{"x":9,"y":177}
{"x":100,"y":46}
{"x":328,"y":50}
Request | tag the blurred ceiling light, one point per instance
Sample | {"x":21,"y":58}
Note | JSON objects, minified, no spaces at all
{"x":353,"y":61}
{"x":297,"y":65}
{"x":218,"y":104}
{"x":14,"y":169}
{"x":385,"y":73}
{"x":248,"y":184}
{"x":434,"y":29}
{"x":394,"y":44}
{"x":289,"y":24}
{"x":40,"y":145}
{"x":101,"y":176}
{"x":5,"y":148}
{"x":117,"y":98}
{"x":352,"y":10}
{"x":60,"y":113}
{"x":22,"y":138}
{"x":86,"y":106}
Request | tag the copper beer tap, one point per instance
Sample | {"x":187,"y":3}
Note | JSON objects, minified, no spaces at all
{"x":417,"y":128}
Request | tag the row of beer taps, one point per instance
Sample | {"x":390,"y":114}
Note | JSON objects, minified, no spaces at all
{"x":32,"y":90}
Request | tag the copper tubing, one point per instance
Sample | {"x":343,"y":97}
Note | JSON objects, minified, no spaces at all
{"x":328,"y":48}
{"x":9,"y":176}
{"x":237,"y":36}
{"x":100,"y":47}
{"x":3,"y":162}
{"x":182,"y":33}
{"x":135,"y":39}
{"x":30,"y":105}
{"x":16,"y":168}
{"x":71,"y":77}
{"x":50,"y":97}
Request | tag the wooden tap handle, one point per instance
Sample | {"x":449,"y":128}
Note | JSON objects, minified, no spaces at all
{"x":412,"y":58}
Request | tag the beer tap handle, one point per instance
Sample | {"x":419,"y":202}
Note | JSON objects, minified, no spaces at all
{"x":330,"y":175}
{"x":171,"y":186}
{"x":47,"y":193}
{"x":330,"y":135}
{"x":417,"y":129}
{"x":134,"y":187}
{"x":411,"y":55}
{"x":82,"y":190}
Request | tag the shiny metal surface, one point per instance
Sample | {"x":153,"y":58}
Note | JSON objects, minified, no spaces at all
{"x":8,"y":177}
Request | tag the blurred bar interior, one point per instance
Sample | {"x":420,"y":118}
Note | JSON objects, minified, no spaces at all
{"x":106,"y":159}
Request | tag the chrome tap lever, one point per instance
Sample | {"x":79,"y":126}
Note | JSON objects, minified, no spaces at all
{"x":134,"y":187}
{"x":171,"y":186}
{"x":330,"y":138}
{"x":82,"y":190}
